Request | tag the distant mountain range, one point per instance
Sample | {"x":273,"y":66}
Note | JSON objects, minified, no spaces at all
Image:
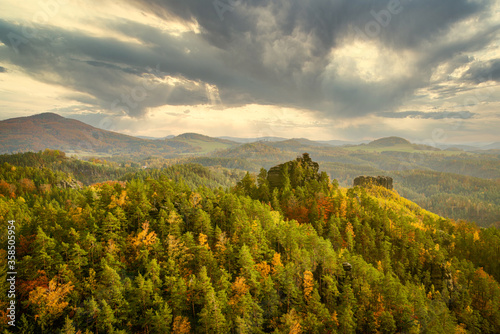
{"x":393,"y":144}
{"x":493,"y":146}
{"x":154,"y":138}
{"x":253,"y":140}
{"x":49,"y":130}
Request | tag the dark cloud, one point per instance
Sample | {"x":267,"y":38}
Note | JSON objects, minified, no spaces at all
{"x":117,"y":76}
{"x":253,"y":51}
{"x":484,"y":71}
{"x":405,"y":25}
{"x":327,"y":24}
{"x":285,"y":62}
{"x":3,"y":69}
{"x":465,"y":114}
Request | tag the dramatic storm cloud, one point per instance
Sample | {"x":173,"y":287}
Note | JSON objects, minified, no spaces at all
{"x":481,"y":72}
{"x":325,"y":68}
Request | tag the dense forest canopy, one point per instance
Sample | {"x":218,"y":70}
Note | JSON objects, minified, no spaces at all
{"x":176,"y":250}
{"x":471,"y":195}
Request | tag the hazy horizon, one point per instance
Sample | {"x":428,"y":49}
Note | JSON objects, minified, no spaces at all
{"x":249,"y":139}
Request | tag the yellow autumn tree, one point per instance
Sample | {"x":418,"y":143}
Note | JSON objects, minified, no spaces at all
{"x":181,"y":325}
{"x":49,"y":304}
{"x":144,"y":240}
{"x":195,"y":199}
{"x":239,"y":288}
{"x":308,"y":285}
{"x":291,"y":322}
{"x":349,"y":234}
{"x":277,"y":265}
{"x":342,"y":208}
{"x":144,"y":237}
{"x":263,"y":268}
{"x":202,"y":240}
{"x":118,"y":201}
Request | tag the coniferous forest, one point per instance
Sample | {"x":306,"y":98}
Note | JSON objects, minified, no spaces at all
{"x":187,"y":249}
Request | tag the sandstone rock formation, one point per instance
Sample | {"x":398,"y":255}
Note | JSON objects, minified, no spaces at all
{"x":275,"y":174}
{"x":384,"y":181}
{"x":274,"y":177}
{"x":73,"y":184}
{"x":347,"y":266}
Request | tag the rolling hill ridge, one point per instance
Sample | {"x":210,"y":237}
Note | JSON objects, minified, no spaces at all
{"x":49,"y":130}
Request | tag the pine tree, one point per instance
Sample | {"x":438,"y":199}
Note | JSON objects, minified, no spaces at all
{"x":106,"y":318}
{"x":346,"y":315}
{"x":251,"y":319}
{"x":263,"y":192}
{"x":78,"y":258}
{"x":247,"y":186}
{"x":159,"y":318}
{"x":247,"y":267}
{"x":46,"y":257}
{"x":269,"y":300}
{"x":202,"y":224}
{"x":175,"y":224}
{"x":275,"y":201}
{"x":111,"y":227}
{"x":26,"y":325}
{"x":211,"y":318}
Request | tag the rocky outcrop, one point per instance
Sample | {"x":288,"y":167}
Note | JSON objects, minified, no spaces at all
{"x":441,"y":277}
{"x":275,"y":174}
{"x":274,"y":177}
{"x":383,"y":181}
{"x":73,"y":184}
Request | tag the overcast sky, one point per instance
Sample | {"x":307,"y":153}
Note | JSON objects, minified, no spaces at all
{"x":425,"y":70}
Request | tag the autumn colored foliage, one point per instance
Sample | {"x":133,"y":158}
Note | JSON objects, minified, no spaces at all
{"x":151,"y":254}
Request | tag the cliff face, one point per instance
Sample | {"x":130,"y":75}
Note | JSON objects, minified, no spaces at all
{"x":384,"y":181}
{"x":275,"y":174}
{"x":73,"y":184}
{"x":274,"y":177}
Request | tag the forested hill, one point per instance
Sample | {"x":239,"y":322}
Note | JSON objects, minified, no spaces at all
{"x":152,"y":255}
{"x":49,"y":130}
{"x":98,"y":171}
